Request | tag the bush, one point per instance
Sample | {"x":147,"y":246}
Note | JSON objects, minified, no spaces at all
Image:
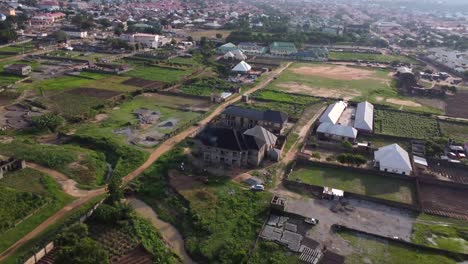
{"x":48,"y":121}
{"x":316,"y":155}
{"x":346,"y":144}
{"x":351,"y":159}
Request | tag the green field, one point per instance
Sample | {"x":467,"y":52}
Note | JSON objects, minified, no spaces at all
{"x":454,"y":130}
{"x":33,"y":183}
{"x":368,"y":249}
{"x":85,"y":166}
{"x":404,"y":124}
{"x":155,"y":73}
{"x":441,"y":232}
{"x":365,"y":184}
{"x":283,"y":97}
{"x":378,"y":83}
{"x":92,"y":56}
{"x":370,"y":57}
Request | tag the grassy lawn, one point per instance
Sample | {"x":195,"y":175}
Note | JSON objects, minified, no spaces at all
{"x":85,"y":166}
{"x":269,"y":252}
{"x":405,"y":124}
{"x":283,"y":97}
{"x":206,"y":86}
{"x":371,"y":250}
{"x":455,"y":130}
{"x":370,"y":185}
{"x":34,"y":182}
{"x":441,"y":232}
{"x":292,"y":138}
{"x":370,"y":57}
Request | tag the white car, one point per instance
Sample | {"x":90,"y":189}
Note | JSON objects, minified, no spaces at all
{"x":257,"y":187}
{"x":311,"y":221}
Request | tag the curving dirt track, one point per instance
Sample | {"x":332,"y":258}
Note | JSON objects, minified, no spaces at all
{"x":158,"y":152}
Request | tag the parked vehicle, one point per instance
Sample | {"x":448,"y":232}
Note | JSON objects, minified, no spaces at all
{"x":257,"y":187}
{"x":311,"y":221}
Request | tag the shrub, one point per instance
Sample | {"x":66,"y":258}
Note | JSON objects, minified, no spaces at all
{"x":351,"y":159}
{"x":316,"y":155}
{"x":48,"y":121}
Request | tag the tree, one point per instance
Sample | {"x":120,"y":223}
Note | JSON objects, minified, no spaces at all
{"x":189,"y":38}
{"x":219,"y":35}
{"x":60,"y":36}
{"x":346,"y":144}
{"x":104,"y":22}
{"x":72,"y":235}
{"x":115,"y":190}
{"x":48,"y":121}
{"x":86,"y":251}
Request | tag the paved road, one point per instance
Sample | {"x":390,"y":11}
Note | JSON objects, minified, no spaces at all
{"x":158,"y":152}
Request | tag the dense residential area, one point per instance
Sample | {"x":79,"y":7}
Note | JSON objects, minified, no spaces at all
{"x":167,"y":131}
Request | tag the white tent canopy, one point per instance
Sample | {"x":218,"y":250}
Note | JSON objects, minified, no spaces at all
{"x":242,"y":67}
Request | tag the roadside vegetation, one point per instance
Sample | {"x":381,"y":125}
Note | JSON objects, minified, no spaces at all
{"x":28,"y":197}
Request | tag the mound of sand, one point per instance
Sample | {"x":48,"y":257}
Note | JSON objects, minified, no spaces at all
{"x":335,"y":72}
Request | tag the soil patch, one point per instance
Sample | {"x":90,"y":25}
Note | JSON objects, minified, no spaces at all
{"x":93,"y":92}
{"x":403,"y":102}
{"x":456,"y":104}
{"x":142,"y":83}
{"x":100,"y":117}
{"x":444,"y":199}
{"x":335,"y":72}
{"x":293,"y":87}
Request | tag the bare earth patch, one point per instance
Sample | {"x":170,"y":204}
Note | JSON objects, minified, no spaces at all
{"x":335,"y":72}
{"x":403,"y":102}
{"x":293,"y":87}
{"x":100,"y":117}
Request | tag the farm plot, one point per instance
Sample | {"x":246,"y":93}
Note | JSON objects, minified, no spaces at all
{"x":161,"y":74}
{"x":145,"y":84}
{"x":367,"y":249}
{"x":145,"y":121}
{"x":91,"y":56}
{"x":27,"y":198}
{"x":456,"y":104}
{"x":444,"y":200}
{"x":278,"y":96}
{"x":369,"y":57}
{"x":405,"y":124}
{"x":336,"y":81}
{"x":454,"y":130}
{"x":205,"y":86}
{"x":365,"y":184}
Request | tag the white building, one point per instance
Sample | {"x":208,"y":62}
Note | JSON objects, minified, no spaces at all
{"x":76,"y":33}
{"x":242,"y":67}
{"x":333,"y":112}
{"x":364,"y":118}
{"x":147,"y":40}
{"x":337,"y":132}
{"x":393,"y":158}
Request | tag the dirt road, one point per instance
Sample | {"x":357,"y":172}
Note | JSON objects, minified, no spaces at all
{"x":169,"y":233}
{"x":158,"y":152}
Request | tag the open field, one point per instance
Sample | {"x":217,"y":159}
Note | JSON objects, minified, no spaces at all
{"x":368,"y":249}
{"x":334,"y":81}
{"x":365,"y":184}
{"x":198,"y":34}
{"x":13,"y":50}
{"x":441,"y":232}
{"x":283,"y":97}
{"x":346,"y":82}
{"x":456,"y":104}
{"x":354,"y":56}
{"x":85,"y":166}
{"x":404,"y":124}
{"x":455,"y":130}
{"x":167,"y":113}
{"x":30,"y":183}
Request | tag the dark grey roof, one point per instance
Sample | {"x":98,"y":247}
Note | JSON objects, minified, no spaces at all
{"x":253,"y":114}
{"x":227,"y":138}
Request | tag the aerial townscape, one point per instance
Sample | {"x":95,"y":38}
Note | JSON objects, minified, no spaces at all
{"x":234,"y":132}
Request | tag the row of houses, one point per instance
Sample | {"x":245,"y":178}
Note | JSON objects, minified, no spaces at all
{"x":277,"y":49}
